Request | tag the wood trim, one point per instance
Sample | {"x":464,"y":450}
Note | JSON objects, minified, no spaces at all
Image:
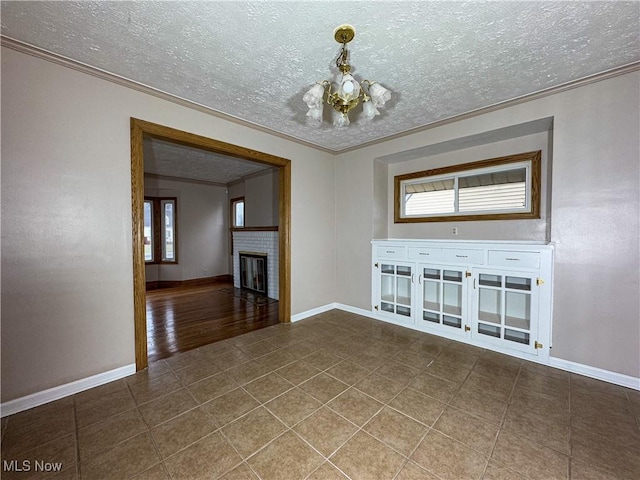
{"x":536,"y":184}
{"x":216,"y":146}
{"x":536,"y":187}
{"x":156,"y":203}
{"x":255,"y":229}
{"x":193,"y":282}
{"x":142,"y":128}
{"x":137,"y":209}
{"x":284,"y":244}
{"x":490,"y":162}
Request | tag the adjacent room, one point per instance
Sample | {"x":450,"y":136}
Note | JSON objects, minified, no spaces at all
{"x":198,"y":205}
{"x":320,"y":240}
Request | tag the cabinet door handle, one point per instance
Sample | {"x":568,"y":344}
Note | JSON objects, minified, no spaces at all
{"x":420,"y":279}
{"x":462,"y":256}
{"x":413,"y":278}
{"x":474,"y":283}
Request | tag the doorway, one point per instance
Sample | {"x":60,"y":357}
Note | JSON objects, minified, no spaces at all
{"x":141,"y":129}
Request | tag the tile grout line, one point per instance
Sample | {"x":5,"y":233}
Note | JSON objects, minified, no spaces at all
{"x":326,"y":404}
{"x":327,"y":457}
{"x":504,"y":416}
{"x":149,"y":433}
{"x":263,"y":404}
{"x":375,"y":339}
{"x":361,"y":428}
{"x":431,"y":427}
{"x":243,"y":460}
{"x":406,"y":459}
{"x":570,"y":426}
{"x":76,"y":434}
{"x":350,"y":386}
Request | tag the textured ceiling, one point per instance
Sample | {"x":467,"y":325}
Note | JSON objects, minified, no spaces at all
{"x":174,"y":160}
{"x":254,"y":60}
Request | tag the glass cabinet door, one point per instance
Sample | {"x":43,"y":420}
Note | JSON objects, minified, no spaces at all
{"x":517,"y":314}
{"x":387,"y":288}
{"x":442,"y":297}
{"x":396,"y":288}
{"x":505,"y":307}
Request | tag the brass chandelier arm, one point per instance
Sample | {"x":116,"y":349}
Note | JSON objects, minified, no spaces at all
{"x":326,"y":84}
{"x":365,"y":95}
{"x":343,"y":106}
{"x":347,"y":93}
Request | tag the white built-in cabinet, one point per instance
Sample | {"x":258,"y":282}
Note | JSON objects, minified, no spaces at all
{"x":495,"y":295}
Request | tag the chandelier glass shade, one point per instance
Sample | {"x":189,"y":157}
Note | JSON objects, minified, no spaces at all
{"x":346,"y":93}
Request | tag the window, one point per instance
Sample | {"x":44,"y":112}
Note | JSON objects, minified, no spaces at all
{"x":160,"y":230}
{"x":237,"y":212}
{"x":495,"y":189}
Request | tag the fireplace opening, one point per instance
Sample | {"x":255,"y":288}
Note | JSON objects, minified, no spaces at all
{"x":253,"y":272}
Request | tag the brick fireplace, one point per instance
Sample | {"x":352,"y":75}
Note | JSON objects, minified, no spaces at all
{"x":258,"y":243}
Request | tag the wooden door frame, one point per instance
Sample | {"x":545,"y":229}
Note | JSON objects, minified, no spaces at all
{"x":141,"y":129}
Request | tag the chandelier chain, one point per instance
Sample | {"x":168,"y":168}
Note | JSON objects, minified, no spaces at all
{"x":348,"y":92}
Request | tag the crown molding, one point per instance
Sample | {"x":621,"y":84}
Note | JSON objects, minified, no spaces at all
{"x":44,"y":54}
{"x":49,"y":56}
{"x":581,"y":82}
{"x":183,"y":180}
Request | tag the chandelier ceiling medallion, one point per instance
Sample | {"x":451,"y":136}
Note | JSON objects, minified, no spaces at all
{"x":347,"y":92}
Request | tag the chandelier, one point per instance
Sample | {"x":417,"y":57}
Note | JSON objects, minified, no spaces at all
{"x":347,"y":92}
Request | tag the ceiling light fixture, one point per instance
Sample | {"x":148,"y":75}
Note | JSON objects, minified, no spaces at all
{"x":347,"y":93}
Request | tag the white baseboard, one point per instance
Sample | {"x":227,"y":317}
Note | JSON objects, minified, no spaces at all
{"x":356,"y":310}
{"x":313,"y":311}
{"x":573,"y":367}
{"x":595,"y":372}
{"x":56,"y":393}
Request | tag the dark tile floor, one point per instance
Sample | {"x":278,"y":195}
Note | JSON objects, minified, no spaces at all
{"x":334,"y":396}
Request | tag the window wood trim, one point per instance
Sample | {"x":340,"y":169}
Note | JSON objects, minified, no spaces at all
{"x":156,"y":231}
{"x":536,"y":182}
{"x":232,"y":221}
{"x":232,"y":214}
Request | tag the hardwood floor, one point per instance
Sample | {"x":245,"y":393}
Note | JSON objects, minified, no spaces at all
{"x":184,"y":318}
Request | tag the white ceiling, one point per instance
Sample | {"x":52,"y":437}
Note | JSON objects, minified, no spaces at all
{"x":253,"y":61}
{"x":173,"y":160}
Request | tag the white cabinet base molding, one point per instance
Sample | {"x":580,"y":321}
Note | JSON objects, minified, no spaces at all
{"x":494,"y":295}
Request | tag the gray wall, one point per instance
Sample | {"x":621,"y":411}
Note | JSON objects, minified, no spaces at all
{"x":203,"y":225}
{"x":593,"y":218}
{"x":475,"y":230}
{"x":261,"y":198}
{"x":67,"y":274}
